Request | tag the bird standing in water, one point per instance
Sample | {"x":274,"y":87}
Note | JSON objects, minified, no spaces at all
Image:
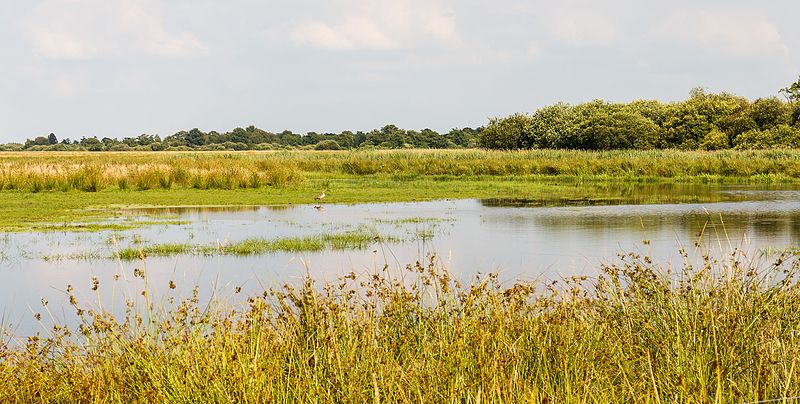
{"x":321,"y":196}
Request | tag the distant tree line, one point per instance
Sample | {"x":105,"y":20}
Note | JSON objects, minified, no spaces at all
{"x":252,"y":138}
{"x":704,"y":121}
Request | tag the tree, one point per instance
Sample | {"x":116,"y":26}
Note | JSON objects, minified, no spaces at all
{"x":769,"y":112}
{"x":792,"y":92}
{"x":52,"y":139}
{"x":506,"y":133}
{"x":551,"y":127}
{"x":715,"y":140}
{"x":691,"y":120}
{"x":195,"y":137}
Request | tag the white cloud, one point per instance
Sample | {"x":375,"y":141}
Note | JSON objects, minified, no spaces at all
{"x":737,"y":33}
{"x":580,"y":28}
{"x":381,"y":25}
{"x":84,"y":29}
{"x":65,"y":85}
{"x":574,"y":23}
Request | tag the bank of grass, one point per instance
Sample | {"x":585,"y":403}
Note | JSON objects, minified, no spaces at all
{"x":350,"y":240}
{"x":39,"y":189}
{"x":92,"y":172}
{"x":725,"y":331}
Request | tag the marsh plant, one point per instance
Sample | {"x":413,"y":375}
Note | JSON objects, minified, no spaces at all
{"x":25,"y":172}
{"x":92,"y":174}
{"x":726,"y":330}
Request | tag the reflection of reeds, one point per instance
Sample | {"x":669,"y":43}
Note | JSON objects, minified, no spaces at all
{"x":212,"y":170}
{"x":722,"y":331}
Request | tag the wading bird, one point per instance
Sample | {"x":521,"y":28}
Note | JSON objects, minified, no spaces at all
{"x":322,"y":195}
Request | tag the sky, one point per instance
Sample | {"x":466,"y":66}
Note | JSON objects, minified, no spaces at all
{"x":119,"y":68}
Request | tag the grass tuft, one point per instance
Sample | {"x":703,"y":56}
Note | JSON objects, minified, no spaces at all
{"x":722,"y":331}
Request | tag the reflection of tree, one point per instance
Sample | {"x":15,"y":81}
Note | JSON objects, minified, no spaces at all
{"x":794,"y":231}
{"x":687,"y":222}
{"x":606,"y":194}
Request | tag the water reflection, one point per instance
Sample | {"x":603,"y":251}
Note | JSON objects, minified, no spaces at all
{"x":520,"y":238}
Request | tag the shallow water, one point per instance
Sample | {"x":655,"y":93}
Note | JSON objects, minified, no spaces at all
{"x":520,"y":239}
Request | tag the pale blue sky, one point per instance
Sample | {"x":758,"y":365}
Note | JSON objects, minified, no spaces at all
{"x":124,"y":67}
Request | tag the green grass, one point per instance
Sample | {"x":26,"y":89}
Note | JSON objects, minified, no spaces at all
{"x":725,"y":331}
{"x":414,"y":220}
{"x":39,"y":189}
{"x":256,"y":246}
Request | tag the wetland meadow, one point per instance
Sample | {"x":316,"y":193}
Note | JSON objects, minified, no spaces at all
{"x":420,"y":276}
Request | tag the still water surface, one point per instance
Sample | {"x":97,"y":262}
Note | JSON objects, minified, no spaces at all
{"x":519,"y":239}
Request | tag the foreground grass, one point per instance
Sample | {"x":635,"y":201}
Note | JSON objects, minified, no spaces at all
{"x":52,"y":191}
{"x":726,"y":331}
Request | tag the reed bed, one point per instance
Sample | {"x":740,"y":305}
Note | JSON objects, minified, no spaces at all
{"x":36,"y":172}
{"x":727,"y":330}
{"x":84,"y":173}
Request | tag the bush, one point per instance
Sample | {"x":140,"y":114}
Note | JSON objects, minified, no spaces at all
{"x":513,"y":132}
{"x":327,"y":145}
{"x":715,"y":140}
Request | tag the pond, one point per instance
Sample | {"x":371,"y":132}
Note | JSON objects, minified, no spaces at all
{"x":520,"y":239}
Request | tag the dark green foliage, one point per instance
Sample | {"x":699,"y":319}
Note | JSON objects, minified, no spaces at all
{"x":769,"y":112}
{"x":509,"y":133}
{"x":252,"y":138}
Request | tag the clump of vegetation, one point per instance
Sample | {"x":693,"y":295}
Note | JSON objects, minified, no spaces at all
{"x":255,"y":246}
{"x":723,"y":331}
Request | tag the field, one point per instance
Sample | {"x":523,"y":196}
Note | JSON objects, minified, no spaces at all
{"x":637,"y":330}
{"x":46,"y":191}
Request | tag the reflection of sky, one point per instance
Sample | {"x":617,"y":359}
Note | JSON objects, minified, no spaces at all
{"x":469,"y":237}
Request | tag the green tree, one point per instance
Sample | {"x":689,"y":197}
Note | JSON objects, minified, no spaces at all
{"x":551,"y":127}
{"x":691,"y":120}
{"x":506,"y":133}
{"x":52,"y":139}
{"x":769,"y":112}
{"x":715,"y":140}
{"x":792,"y":92}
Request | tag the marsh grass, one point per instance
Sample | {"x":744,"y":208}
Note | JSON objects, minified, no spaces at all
{"x":415,"y":220}
{"x":722,"y":331}
{"x":351,"y":240}
{"x":92,"y":172}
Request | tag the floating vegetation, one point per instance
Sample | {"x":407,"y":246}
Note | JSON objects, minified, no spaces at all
{"x":255,"y":246}
{"x":415,"y":220}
